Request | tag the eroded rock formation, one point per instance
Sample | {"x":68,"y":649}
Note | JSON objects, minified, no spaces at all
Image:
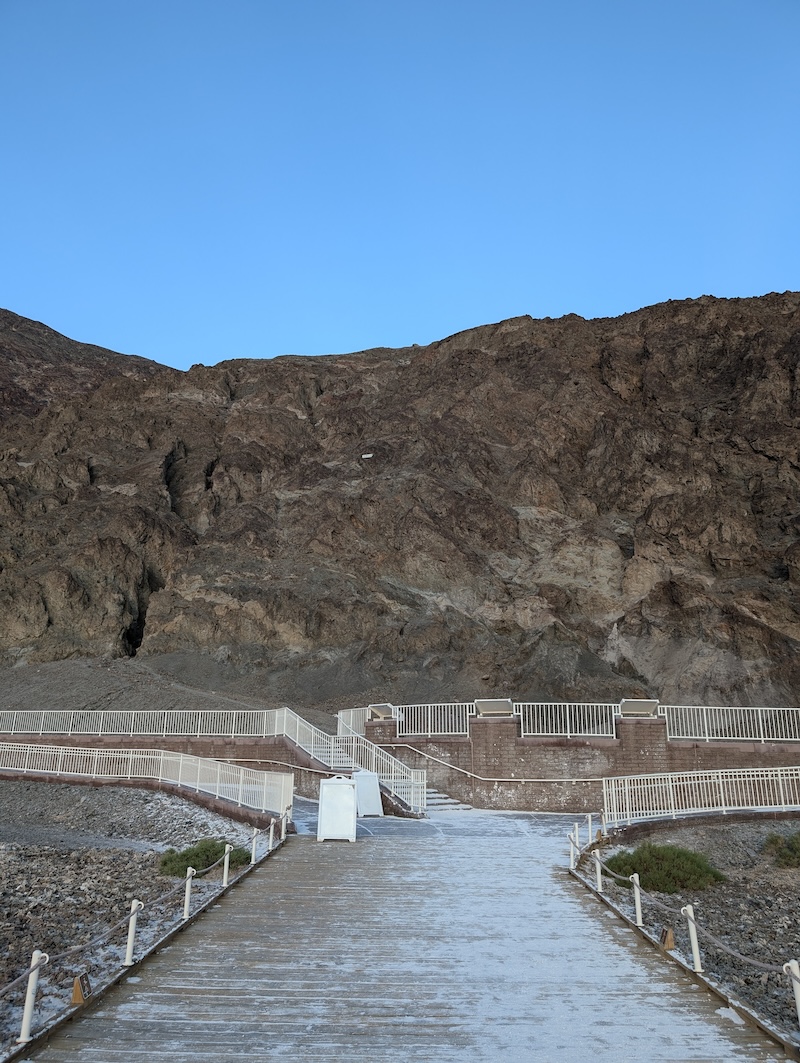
{"x":552,"y":509}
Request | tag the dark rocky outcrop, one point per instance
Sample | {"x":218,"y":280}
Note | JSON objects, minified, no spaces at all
{"x":553,"y":509}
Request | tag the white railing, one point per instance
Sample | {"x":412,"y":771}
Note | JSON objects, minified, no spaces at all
{"x":451,"y":718}
{"x":265,"y":791}
{"x":336,"y":751}
{"x":353,"y":750}
{"x":708,"y":723}
{"x":563,"y":719}
{"x":627,"y":799}
{"x":352,"y":721}
{"x":567,"y":719}
{"x":196,"y":722}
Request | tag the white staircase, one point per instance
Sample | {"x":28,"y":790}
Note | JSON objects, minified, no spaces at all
{"x":439,"y":802}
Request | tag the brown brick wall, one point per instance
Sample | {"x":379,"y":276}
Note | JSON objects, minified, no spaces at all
{"x":549,"y":774}
{"x":496,"y":753}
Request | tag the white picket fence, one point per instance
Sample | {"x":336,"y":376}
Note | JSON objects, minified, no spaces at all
{"x":339,"y":752}
{"x":627,"y":799}
{"x":265,"y":791}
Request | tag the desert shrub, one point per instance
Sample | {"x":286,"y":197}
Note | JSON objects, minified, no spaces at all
{"x":784,"y":851}
{"x":665,"y":868}
{"x":200,"y":856}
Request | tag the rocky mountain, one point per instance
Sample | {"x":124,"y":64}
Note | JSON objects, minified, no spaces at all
{"x":551,"y":509}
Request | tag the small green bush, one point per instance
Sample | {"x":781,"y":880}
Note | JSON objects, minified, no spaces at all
{"x":665,"y":868}
{"x":200,"y":856}
{"x":785,"y":851}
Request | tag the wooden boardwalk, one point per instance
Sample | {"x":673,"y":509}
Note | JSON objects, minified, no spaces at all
{"x":455,"y":939}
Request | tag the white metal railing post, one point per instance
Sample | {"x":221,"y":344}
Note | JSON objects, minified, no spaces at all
{"x":688,"y":912}
{"x":38,"y":959}
{"x":576,"y":833}
{"x":256,"y":833}
{"x":226,"y":864}
{"x":271,"y":834}
{"x":598,"y":870}
{"x":284,"y":825}
{"x":136,"y":907}
{"x":187,"y":893}
{"x":589,"y":825}
{"x":572,"y":856}
{"x":792,"y":968}
{"x":637,"y":897}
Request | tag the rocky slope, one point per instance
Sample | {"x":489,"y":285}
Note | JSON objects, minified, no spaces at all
{"x":552,"y":509}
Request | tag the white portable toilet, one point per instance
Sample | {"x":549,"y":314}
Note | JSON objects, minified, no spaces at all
{"x":337,"y":809}
{"x":368,"y":793}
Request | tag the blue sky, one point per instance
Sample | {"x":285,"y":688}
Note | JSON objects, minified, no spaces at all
{"x":193,"y":181}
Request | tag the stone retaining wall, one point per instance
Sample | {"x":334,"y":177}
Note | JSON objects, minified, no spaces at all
{"x":561,"y":774}
{"x":492,"y":768}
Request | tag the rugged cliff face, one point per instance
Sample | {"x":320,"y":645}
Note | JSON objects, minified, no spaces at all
{"x":548,"y":509}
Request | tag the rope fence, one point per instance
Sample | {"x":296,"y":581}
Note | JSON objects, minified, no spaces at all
{"x":577,"y":853}
{"x":40,"y":960}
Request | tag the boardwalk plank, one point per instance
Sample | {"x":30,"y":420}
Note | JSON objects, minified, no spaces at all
{"x":459,"y":939}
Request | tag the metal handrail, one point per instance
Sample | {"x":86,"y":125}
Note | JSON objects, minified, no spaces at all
{"x":630,"y":798}
{"x":732,"y":723}
{"x":248,"y":787}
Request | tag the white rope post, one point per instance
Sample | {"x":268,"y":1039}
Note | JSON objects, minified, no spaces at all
{"x":637,"y":898}
{"x":226,"y":864}
{"x":576,"y":834}
{"x":187,"y":893}
{"x":572,"y":860}
{"x":38,"y":959}
{"x":136,"y":907}
{"x":589,"y":823}
{"x":271,"y":834}
{"x":688,"y":911}
{"x":598,"y":870}
{"x":603,"y":825}
{"x":284,"y":825}
{"x":256,"y":833}
{"x":792,"y":968}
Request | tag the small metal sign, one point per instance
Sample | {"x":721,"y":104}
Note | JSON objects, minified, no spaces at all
{"x":81,"y":989}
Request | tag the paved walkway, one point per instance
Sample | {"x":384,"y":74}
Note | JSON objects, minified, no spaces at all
{"x":455,"y":939}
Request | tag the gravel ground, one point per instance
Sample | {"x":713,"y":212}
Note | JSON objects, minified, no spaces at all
{"x":755,"y":912}
{"x":71,"y":860}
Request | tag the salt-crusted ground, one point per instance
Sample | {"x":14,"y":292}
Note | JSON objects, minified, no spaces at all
{"x":71,"y":860}
{"x":755,"y":912}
